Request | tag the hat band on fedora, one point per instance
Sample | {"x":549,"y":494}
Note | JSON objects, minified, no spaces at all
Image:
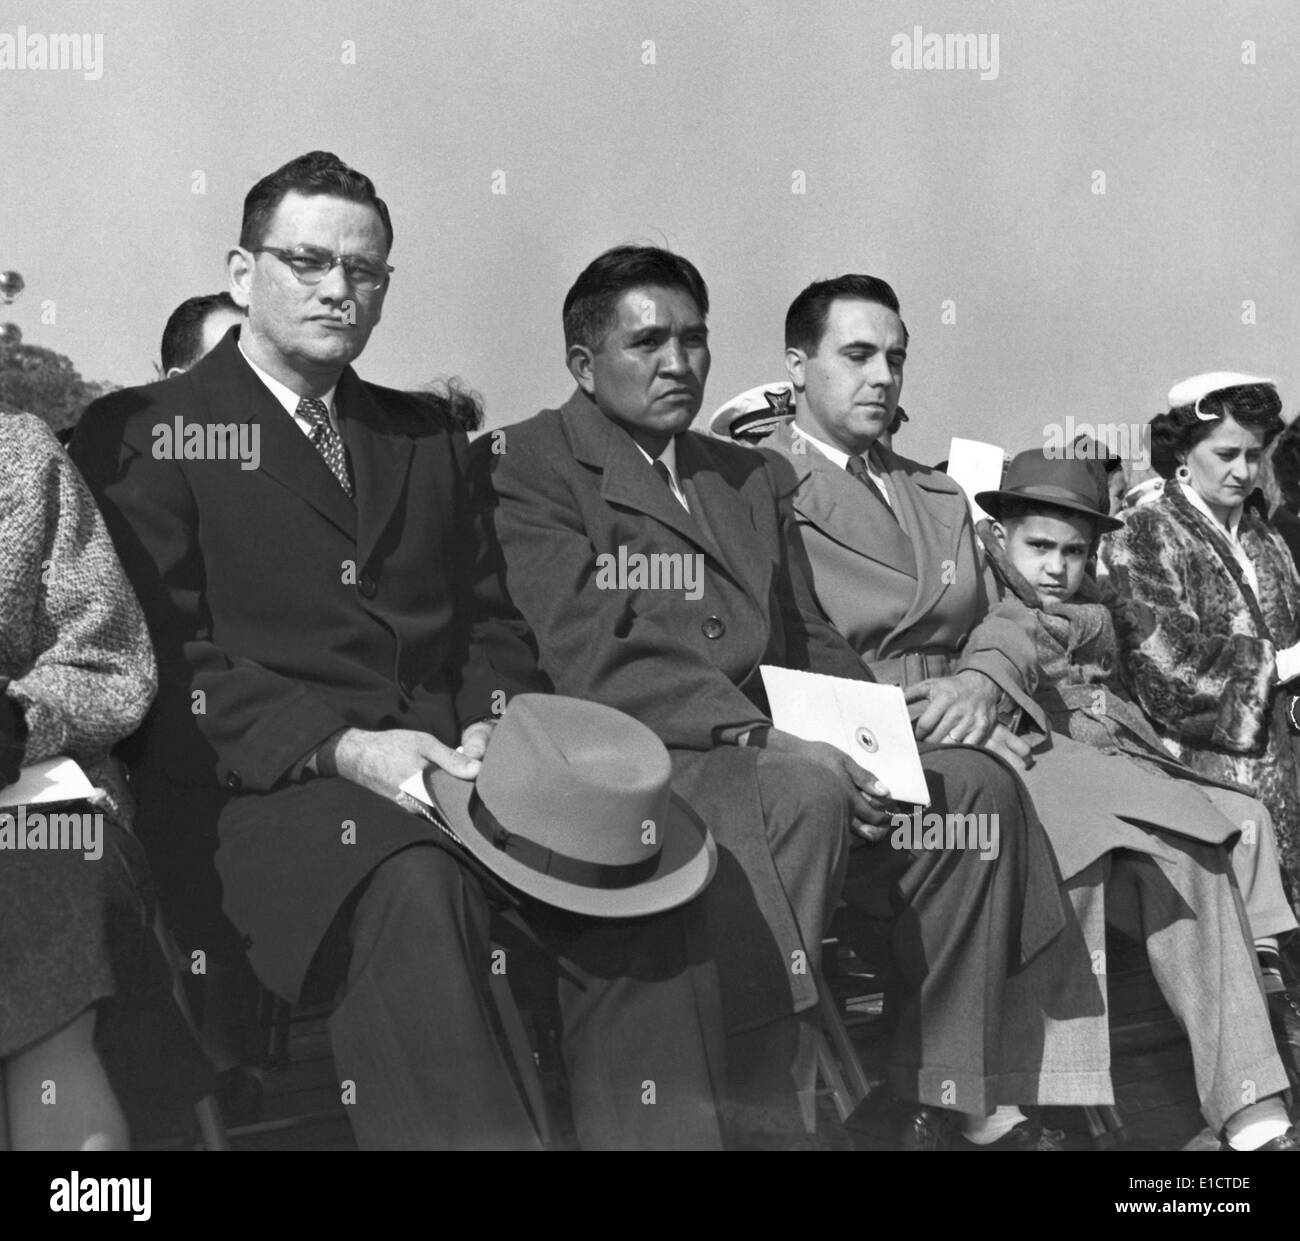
{"x":557,"y":865}
{"x":1048,"y":492}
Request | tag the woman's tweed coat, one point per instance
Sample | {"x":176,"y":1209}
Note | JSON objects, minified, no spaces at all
{"x":77,"y":931}
{"x":1199,"y":648}
{"x":74,"y":650}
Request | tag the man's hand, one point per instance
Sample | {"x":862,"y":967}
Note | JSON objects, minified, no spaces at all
{"x":1003,"y":742}
{"x":381,"y":761}
{"x":871,"y":815}
{"x":474,"y":740}
{"x":960,"y":710}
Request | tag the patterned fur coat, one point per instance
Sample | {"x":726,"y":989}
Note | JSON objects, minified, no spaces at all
{"x":1199,"y":649}
{"x":74,"y":650}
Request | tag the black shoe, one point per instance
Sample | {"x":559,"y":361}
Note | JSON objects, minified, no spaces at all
{"x":884,"y":1123}
{"x":1284,"y":1017}
{"x":1289,"y":1141}
{"x":1028,"y":1135}
{"x":240,"y":1096}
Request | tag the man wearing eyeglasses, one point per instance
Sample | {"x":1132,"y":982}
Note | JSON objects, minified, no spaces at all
{"x":320,"y":640}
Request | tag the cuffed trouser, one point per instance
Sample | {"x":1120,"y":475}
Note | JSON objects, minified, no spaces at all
{"x":980,"y":947}
{"x":1180,"y":900}
{"x":414,"y":1037}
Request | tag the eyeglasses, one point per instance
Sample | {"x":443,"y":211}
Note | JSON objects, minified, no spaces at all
{"x":311,"y":265}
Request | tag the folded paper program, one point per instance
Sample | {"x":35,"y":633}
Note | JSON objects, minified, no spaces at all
{"x":867,"y":720}
{"x":55,"y":780}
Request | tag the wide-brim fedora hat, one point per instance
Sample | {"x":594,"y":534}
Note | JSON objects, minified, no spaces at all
{"x":1061,"y":482}
{"x":573,"y":805}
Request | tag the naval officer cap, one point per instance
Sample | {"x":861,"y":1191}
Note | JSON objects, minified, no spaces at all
{"x":755,"y":413}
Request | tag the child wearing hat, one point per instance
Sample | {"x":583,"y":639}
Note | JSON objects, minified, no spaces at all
{"x":1169,"y":887}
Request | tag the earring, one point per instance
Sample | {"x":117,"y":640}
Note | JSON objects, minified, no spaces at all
{"x":1182,"y":473}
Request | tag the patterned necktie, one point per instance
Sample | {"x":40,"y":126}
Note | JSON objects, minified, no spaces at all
{"x":326,"y":440}
{"x":857,"y":466}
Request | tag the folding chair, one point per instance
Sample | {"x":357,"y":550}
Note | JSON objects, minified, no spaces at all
{"x":207,"y":1113}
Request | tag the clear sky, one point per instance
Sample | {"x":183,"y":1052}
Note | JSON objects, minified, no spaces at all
{"x":956,"y":186}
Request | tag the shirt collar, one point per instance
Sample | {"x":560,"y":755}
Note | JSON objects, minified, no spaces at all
{"x":835,"y":455}
{"x":286,"y":396}
{"x":1195,"y":499}
{"x":668,"y":457}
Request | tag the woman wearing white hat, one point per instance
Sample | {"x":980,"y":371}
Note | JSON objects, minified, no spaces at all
{"x":1209,"y":611}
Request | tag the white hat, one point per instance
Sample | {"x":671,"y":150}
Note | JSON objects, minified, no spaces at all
{"x":1194,"y":390}
{"x":757,"y":411}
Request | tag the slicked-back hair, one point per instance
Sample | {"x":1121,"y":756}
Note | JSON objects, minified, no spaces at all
{"x":805,"y":321}
{"x":589,"y":307}
{"x":1257,"y":407}
{"x":317,"y":172}
{"x":182,"y":338}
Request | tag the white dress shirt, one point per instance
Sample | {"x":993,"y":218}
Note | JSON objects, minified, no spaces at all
{"x":840,"y":458}
{"x":289,"y":398}
{"x":669,"y":458}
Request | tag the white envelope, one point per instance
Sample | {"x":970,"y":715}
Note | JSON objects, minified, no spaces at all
{"x":55,"y":780}
{"x":975,"y":466}
{"x":866,"y":720}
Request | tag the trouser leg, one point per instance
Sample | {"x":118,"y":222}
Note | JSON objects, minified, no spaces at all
{"x":642,"y":1028}
{"x":413,"y":1033}
{"x":981,"y":947}
{"x":1255,"y":862}
{"x":1183,"y":904}
{"x":771,"y":1070}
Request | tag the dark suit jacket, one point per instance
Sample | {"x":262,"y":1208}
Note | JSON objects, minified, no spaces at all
{"x":571,"y":486}
{"x":283,"y":612}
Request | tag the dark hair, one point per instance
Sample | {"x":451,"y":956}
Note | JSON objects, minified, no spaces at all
{"x":1106,"y":460}
{"x":182,"y":338}
{"x":805,"y":321}
{"x":1257,"y":407}
{"x":1286,"y":456}
{"x":317,"y":172}
{"x":454,"y":399}
{"x":589,"y":304}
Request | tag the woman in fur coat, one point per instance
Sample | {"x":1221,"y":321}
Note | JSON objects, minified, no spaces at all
{"x":1209,"y":611}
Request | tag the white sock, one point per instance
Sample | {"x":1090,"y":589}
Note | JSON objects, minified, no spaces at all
{"x":1261,"y":1122}
{"x":982,"y":1130}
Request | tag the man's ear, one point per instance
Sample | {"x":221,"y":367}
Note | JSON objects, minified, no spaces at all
{"x":581,"y":363}
{"x":239,"y":268}
{"x":999,"y":533}
{"x":795,"y":360}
